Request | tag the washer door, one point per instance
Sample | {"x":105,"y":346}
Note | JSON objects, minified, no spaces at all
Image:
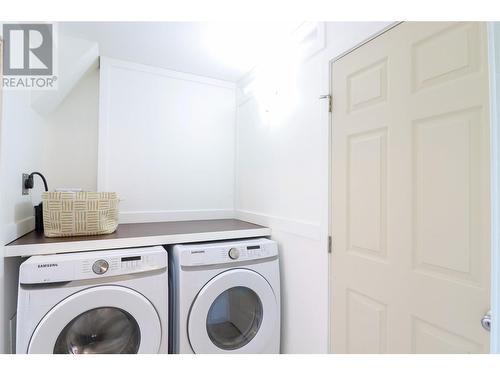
{"x":104,"y":319}
{"x":235,"y":312}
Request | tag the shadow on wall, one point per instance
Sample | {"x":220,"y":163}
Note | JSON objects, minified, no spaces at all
{"x":23,"y":210}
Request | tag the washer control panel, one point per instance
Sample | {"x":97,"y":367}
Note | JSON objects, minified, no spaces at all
{"x":91,"y":265}
{"x":226,"y":252}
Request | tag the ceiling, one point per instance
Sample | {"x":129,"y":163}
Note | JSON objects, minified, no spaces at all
{"x":218,"y":50}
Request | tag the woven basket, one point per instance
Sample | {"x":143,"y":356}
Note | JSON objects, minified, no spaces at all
{"x":79,"y":213}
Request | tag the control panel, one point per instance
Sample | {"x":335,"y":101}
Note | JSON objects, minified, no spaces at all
{"x":226,"y":252}
{"x":91,"y":265}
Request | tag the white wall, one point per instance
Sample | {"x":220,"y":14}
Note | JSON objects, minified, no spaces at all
{"x":21,"y":150}
{"x":75,"y":58}
{"x":282,"y":181}
{"x":166,"y":142}
{"x":70,"y":152}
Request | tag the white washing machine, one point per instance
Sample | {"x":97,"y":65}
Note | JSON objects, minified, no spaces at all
{"x":113,"y":301}
{"x":225,"y":297}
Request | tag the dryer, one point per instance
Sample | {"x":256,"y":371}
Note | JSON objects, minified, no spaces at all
{"x":113,"y":301}
{"x":225,"y":297}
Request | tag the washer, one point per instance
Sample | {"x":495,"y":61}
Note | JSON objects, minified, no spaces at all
{"x":113,"y":301}
{"x":225,"y":297}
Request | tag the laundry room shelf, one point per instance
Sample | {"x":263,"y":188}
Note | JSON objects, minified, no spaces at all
{"x":137,"y":235}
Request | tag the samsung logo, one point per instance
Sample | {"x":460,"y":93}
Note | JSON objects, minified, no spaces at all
{"x":46,"y":265}
{"x":197,"y":251}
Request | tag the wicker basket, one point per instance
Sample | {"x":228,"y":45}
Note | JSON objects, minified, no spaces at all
{"x":79,"y":213}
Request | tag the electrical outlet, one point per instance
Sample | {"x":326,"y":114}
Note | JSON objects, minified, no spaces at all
{"x":24,"y":190}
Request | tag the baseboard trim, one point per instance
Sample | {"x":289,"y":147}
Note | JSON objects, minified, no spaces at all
{"x":276,"y":223}
{"x":19,"y":228}
{"x":172,"y":215}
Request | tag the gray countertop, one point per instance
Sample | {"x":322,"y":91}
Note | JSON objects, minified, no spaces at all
{"x":137,"y":235}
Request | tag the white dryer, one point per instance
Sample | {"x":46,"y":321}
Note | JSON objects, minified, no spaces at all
{"x":113,"y":301}
{"x":225,"y":297}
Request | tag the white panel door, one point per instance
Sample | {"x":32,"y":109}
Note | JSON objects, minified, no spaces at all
{"x":411,"y":262}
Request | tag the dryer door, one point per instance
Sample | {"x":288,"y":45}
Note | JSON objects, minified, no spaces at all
{"x":235,"y":312}
{"x":104,"y":319}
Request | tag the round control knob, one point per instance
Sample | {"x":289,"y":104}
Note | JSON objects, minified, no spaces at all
{"x":100,"y":266}
{"x":234,"y":253}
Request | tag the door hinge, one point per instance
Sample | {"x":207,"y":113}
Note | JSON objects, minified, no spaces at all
{"x":329,"y":97}
{"x":329,"y":244}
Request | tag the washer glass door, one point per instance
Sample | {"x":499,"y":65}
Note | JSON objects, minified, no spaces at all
{"x":103,"y":330}
{"x":104,"y":319}
{"x":235,"y":312}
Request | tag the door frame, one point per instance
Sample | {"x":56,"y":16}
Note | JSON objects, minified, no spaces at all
{"x":494,"y":64}
{"x":493,"y":32}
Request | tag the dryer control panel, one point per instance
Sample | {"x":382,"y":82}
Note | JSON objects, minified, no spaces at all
{"x":226,"y":252}
{"x":91,"y":265}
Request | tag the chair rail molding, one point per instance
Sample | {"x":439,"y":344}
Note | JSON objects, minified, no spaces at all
{"x":304,"y":229}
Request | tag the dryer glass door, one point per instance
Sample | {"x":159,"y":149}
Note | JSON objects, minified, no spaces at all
{"x":103,"y":319}
{"x":234,"y":312}
{"x":234,"y":318}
